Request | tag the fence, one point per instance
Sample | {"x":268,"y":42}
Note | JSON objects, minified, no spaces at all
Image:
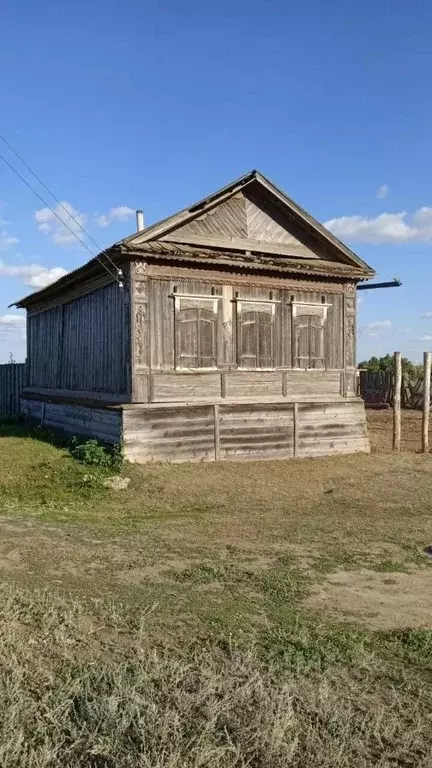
{"x":12,"y":381}
{"x":377,"y":388}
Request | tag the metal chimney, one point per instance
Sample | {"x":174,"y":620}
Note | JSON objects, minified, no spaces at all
{"x":139,"y":221}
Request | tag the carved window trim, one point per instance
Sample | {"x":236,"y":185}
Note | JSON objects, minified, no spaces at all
{"x":193,"y":301}
{"x":191,"y":297}
{"x":313,"y":308}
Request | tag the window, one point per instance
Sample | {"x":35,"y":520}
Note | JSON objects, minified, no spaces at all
{"x":196,"y":331}
{"x":308,"y":334}
{"x":255,"y":334}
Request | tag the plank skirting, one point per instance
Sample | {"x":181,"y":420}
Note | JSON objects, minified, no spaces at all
{"x":243,"y":431}
{"x":209,"y":432}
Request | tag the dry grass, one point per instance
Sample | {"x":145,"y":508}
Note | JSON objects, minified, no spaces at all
{"x":180,"y":623}
{"x":71,"y":698}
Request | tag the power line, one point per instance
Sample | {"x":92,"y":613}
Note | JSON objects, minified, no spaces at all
{"x":33,"y":173}
{"x":32,"y":189}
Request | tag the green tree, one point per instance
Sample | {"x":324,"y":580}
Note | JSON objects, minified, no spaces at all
{"x":386,"y":364}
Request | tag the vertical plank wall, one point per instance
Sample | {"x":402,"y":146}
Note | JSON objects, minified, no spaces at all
{"x":82,"y":345}
{"x":13,"y":379}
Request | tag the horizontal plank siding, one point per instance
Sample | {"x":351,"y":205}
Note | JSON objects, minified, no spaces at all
{"x":259,"y":384}
{"x":243,"y":431}
{"x":324,"y":429}
{"x":13,"y":379}
{"x":98,"y":423}
{"x":184,"y":387}
{"x":312,"y":384}
{"x":169,"y":434}
{"x":254,"y":432}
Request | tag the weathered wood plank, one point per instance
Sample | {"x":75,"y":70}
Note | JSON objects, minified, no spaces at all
{"x":177,"y":434}
{"x":177,"y":387}
{"x":102,"y":424}
{"x":81,"y":345}
{"x":426,"y":400}
{"x":327,"y":429}
{"x":13,"y":379}
{"x":253,"y":383}
{"x":255,"y":430}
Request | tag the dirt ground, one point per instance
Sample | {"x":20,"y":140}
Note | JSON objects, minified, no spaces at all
{"x":218,"y":544}
{"x":378,"y":600}
{"x":380,"y":429}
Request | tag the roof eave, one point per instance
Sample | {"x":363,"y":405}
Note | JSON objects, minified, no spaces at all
{"x":256,"y":263}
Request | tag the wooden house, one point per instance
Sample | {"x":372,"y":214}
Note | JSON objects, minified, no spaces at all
{"x":234,"y":336}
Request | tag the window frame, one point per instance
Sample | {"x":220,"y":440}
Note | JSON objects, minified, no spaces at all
{"x":191,"y":297}
{"x":241,"y":303}
{"x":319,"y":309}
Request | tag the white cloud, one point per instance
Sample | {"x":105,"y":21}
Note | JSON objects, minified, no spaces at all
{"x":48,"y":223}
{"x":12,"y":327}
{"x":428,"y":337}
{"x":374,"y":329}
{"x":382,"y":191}
{"x":34,"y":275}
{"x":6,"y":240}
{"x":121,"y":213}
{"x":426,"y":315}
{"x":385,"y":228}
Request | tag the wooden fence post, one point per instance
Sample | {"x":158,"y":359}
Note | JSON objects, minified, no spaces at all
{"x":397,"y":402}
{"x":426,"y":400}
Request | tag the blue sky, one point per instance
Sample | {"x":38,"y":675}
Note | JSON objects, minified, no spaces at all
{"x":153,"y":105}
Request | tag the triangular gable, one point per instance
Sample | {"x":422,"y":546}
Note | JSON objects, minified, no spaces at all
{"x":244,"y":222}
{"x":251,"y":214}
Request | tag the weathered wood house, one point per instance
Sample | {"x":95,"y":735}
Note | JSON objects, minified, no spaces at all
{"x":234,"y":336}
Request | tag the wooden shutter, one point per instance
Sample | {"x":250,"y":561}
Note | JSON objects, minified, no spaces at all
{"x":196,"y":326}
{"x":309,"y":341}
{"x":255,"y":334}
{"x":316,"y":342}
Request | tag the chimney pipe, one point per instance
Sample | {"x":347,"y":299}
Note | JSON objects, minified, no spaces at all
{"x":140,"y":221}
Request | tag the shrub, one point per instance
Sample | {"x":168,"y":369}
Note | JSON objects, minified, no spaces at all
{"x":96,"y":454}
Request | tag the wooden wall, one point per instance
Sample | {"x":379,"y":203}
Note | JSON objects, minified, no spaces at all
{"x":155,"y":378}
{"x":243,"y":431}
{"x":82,"y":346}
{"x":103,"y":424}
{"x":13,"y":379}
{"x":162,"y":321}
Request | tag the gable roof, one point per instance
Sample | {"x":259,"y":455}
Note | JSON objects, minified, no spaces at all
{"x":180,"y":236}
{"x":179,"y":221}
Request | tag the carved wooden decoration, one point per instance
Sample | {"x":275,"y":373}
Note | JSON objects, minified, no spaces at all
{"x":140,"y":267}
{"x":140,"y":334}
{"x":350,"y":342}
{"x":141,"y":287}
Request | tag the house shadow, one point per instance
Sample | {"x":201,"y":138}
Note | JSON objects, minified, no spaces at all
{"x":12,"y":425}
